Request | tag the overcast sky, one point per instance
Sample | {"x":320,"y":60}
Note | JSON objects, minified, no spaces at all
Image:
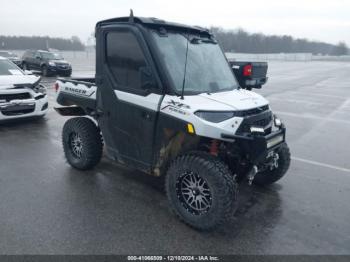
{"x":324,"y":20}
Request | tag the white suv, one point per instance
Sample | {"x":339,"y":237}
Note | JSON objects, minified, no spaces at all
{"x":21,"y":94}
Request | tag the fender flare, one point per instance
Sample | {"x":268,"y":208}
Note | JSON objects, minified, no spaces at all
{"x":70,"y":111}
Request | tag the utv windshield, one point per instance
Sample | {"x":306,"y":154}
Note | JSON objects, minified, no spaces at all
{"x":207,"y":69}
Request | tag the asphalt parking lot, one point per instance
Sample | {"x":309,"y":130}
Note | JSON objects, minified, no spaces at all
{"x":46,"y":207}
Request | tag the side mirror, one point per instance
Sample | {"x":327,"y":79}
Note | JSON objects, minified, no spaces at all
{"x":147,"y":79}
{"x":38,"y":57}
{"x":28,"y":72}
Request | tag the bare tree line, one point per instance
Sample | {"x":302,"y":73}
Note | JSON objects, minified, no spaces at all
{"x":39,"y":42}
{"x":240,"y":41}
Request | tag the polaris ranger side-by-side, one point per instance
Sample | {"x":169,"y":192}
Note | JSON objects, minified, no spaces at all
{"x":166,"y":102}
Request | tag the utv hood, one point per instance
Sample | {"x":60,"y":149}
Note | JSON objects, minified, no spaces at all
{"x":10,"y":81}
{"x":238,"y":99}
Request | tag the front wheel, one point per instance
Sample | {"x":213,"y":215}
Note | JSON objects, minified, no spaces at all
{"x":201,"y":190}
{"x":269,"y":176}
{"x":82,"y":143}
{"x":45,"y":71}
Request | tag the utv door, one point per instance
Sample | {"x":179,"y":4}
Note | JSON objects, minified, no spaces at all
{"x":127,"y":95}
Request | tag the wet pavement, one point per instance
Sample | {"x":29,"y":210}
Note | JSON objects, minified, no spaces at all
{"x":46,"y":207}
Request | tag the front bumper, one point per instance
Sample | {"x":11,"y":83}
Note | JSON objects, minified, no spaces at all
{"x":256,"y":82}
{"x":258,"y":147}
{"x":35,"y":106}
{"x":60,"y":70}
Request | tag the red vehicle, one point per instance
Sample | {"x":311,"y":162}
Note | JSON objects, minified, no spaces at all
{"x":250,"y":74}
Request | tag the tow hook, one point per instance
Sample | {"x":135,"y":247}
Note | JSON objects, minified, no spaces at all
{"x":274,"y":162}
{"x":252,"y":174}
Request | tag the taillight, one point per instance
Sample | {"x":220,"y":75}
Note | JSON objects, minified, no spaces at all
{"x":247,"y":70}
{"x":55,"y":87}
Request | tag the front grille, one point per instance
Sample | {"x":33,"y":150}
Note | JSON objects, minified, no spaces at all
{"x":263,"y":120}
{"x":14,"y":110}
{"x":253,"y":111}
{"x":61,"y":65}
{"x":10,"y":97}
{"x":18,"y":112}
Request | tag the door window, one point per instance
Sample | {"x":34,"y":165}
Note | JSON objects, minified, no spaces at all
{"x":37,"y":55}
{"x":126,"y":60}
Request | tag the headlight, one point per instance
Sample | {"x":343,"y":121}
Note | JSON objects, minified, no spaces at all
{"x":52,"y":63}
{"x":40,"y":89}
{"x":277,"y":121}
{"x":215,"y":117}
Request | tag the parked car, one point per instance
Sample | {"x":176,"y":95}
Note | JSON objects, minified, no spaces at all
{"x":12,"y":57}
{"x":21,"y":94}
{"x":166,"y":102}
{"x":48,"y":63}
{"x":250,"y":74}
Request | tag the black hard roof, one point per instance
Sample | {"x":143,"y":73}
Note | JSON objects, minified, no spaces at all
{"x":151,"y":21}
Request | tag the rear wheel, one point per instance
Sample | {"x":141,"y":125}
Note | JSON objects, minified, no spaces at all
{"x":201,"y":190}
{"x":269,"y":176}
{"x":82,"y":143}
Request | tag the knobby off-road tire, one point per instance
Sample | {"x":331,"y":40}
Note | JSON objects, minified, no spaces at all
{"x":268,"y":176}
{"x":214,"y":181}
{"x":82,"y":143}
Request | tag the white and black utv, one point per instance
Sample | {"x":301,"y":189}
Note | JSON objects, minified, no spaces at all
{"x":166,"y":102}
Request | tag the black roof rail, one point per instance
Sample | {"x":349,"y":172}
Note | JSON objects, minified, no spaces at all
{"x":151,"y":21}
